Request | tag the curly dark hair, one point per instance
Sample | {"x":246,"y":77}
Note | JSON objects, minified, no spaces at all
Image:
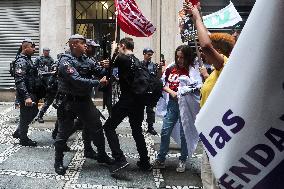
{"x":223,"y":42}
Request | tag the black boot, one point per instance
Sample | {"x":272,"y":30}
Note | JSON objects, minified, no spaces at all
{"x":58,"y":165}
{"x":27,"y":142}
{"x":55,"y":130}
{"x":39,"y":118}
{"x":16,"y":134}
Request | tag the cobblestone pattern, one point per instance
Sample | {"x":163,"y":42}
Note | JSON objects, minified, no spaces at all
{"x":75,"y":166}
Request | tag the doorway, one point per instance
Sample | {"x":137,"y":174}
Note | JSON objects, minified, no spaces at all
{"x":94,"y":19}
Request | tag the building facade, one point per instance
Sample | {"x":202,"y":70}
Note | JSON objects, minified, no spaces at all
{"x":50,"y":23}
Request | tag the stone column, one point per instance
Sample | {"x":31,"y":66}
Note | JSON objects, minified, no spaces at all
{"x":170,"y":30}
{"x":167,"y":31}
{"x":55,"y":25}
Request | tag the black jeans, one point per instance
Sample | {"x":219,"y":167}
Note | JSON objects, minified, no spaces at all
{"x":150,"y":115}
{"x":88,"y":114}
{"x":126,"y":107}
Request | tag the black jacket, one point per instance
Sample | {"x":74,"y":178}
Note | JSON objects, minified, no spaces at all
{"x":75,"y":76}
{"x":151,"y":66}
{"x":26,"y":77}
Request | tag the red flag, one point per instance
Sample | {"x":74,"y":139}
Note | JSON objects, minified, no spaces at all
{"x":131,"y":20}
{"x":194,"y":2}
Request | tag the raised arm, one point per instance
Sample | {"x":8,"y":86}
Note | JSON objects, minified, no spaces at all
{"x":213,"y":57}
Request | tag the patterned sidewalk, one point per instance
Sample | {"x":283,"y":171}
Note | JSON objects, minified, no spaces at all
{"x":28,"y":167}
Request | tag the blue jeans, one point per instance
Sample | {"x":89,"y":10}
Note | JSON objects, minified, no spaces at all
{"x":169,"y":122}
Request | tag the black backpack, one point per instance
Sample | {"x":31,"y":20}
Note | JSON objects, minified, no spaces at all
{"x":146,"y":87}
{"x":12,"y":67}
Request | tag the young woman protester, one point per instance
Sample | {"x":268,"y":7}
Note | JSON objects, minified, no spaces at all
{"x":182,"y":72}
{"x":216,"y":48}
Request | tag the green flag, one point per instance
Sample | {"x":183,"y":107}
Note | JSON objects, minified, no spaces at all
{"x":225,"y":17}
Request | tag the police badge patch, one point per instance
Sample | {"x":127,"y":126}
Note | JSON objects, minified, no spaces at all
{"x":69,"y":68}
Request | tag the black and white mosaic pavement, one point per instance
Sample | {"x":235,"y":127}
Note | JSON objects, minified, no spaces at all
{"x":27,"y":167}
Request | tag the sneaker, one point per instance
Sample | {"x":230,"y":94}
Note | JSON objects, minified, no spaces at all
{"x":118,"y":165}
{"x":144,"y":166}
{"x":159,"y":164}
{"x":181,"y":167}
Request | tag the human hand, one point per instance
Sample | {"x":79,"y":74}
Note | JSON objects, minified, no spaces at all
{"x":162,"y":63}
{"x":105,"y":63}
{"x":28,"y":102}
{"x":192,"y":10}
{"x":104,"y":81}
{"x":203,"y":72}
{"x":174,"y":95}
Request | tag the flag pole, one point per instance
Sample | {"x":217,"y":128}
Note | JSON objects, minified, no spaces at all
{"x":200,"y":62}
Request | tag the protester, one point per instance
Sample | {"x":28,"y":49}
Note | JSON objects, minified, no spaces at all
{"x":216,"y":48}
{"x":183,"y":66}
{"x":127,"y":106}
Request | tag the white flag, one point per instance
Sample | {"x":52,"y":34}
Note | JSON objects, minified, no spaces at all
{"x":225,"y":17}
{"x":242,"y":123}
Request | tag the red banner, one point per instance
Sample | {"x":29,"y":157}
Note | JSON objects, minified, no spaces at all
{"x":131,"y":20}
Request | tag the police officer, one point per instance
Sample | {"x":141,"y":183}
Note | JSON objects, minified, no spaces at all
{"x":27,"y":86}
{"x":153,"y":69}
{"x":45,"y":65}
{"x":75,"y":91}
{"x":98,"y":71}
{"x":45,"y":61}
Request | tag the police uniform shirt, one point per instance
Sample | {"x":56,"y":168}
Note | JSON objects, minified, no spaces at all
{"x":152,"y":67}
{"x":44,"y":63}
{"x":97,"y":69}
{"x":25,"y":75}
{"x":70,"y":81}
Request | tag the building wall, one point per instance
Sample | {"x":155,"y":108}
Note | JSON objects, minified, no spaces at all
{"x":166,"y":21}
{"x":55,"y":25}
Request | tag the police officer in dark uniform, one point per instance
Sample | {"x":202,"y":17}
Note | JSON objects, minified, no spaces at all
{"x":153,"y":69}
{"x":27,"y":86}
{"x":45,"y":63}
{"x":74,"y":90}
{"x":98,"y":71}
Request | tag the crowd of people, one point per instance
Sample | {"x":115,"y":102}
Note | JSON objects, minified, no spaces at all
{"x":69,"y":84}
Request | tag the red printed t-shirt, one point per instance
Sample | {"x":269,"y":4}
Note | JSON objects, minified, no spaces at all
{"x":172,"y":75}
